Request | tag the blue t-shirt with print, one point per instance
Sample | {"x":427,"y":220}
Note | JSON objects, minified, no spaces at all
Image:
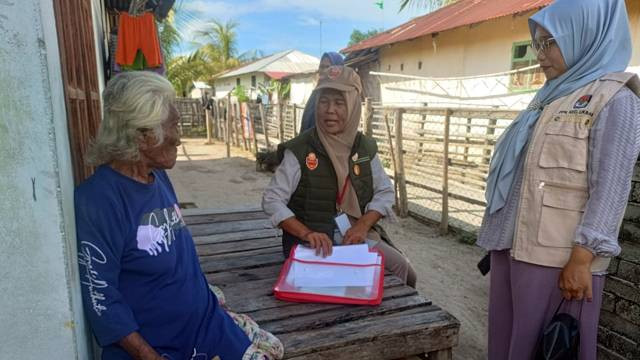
{"x":139,"y":271}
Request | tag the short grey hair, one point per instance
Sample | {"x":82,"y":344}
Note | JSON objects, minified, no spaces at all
{"x":132,"y":101}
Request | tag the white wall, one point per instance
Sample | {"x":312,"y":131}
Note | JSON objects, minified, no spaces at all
{"x":224,"y":85}
{"x":301,"y":88}
{"x":484,"y":48}
{"x":41,"y":314}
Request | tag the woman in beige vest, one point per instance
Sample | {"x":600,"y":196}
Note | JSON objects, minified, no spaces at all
{"x":560,"y":178}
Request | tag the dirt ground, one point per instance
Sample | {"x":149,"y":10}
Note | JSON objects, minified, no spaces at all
{"x":446,"y":268}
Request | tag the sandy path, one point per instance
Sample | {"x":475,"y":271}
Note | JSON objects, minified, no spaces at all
{"x":446,"y":267}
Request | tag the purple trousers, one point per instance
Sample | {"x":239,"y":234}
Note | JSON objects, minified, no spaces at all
{"x":522,"y":299}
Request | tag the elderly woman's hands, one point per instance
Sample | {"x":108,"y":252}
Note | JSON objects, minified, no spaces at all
{"x":575,"y":279}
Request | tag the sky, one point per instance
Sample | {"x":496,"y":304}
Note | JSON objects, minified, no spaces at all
{"x":276,"y":25}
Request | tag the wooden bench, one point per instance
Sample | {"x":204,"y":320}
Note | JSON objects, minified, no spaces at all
{"x":241,"y":253}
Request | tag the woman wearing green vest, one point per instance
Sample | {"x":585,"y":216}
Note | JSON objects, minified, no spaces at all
{"x":333,"y":169}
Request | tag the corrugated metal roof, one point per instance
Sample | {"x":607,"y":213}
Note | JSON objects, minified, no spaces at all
{"x":461,"y":13}
{"x":201,"y":85}
{"x":289,"y":61}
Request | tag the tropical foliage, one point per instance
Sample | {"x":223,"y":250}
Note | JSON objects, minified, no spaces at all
{"x":216,"y":51}
{"x":358,"y":36}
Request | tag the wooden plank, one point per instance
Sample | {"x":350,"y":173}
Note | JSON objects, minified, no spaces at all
{"x":444,"y":219}
{"x":264,"y":126}
{"x":229,"y":226}
{"x":394,"y":159}
{"x":238,"y":246}
{"x":241,"y":303}
{"x":214,"y":218}
{"x":239,"y":235}
{"x":242,"y":255}
{"x":343,"y":314}
{"x":243,"y":275}
{"x":403,"y":203}
{"x":242,"y":262}
{"x":302,"y":309}
{"x":404,"y":335}
{"x":227,"y":137}
{"x":445,"y":354}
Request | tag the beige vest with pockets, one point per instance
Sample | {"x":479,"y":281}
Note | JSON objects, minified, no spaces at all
{"x":555,"y":186}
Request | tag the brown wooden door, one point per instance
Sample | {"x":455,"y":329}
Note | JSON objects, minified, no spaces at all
{"x":79,"y":73}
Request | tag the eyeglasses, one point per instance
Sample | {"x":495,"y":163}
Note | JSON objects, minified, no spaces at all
{"x":543,"y":45}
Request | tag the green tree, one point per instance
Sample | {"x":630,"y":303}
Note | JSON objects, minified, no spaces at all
{"x":358,"y":36}
{"x":168,"y":35}
{"x":430,"y":5}
{"x":223,"y":38}
{"x":183,"y":70}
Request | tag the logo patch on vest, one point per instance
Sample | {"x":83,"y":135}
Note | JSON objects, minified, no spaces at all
{"x":311,"y":161}
{"x":334,"y":72}
{"x":356,"y":169}
{"x":583,"y":102}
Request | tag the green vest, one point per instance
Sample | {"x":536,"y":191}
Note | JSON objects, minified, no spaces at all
{"x":314,"y":201}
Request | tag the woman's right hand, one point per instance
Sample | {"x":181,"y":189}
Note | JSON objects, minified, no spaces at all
{"x":320,"y":242}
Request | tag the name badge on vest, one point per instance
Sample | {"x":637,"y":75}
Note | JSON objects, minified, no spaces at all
{"x":343,"y":223}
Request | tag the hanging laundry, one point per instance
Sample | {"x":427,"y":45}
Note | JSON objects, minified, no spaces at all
{"x":139,"y":63}
{"x":138,"y":33}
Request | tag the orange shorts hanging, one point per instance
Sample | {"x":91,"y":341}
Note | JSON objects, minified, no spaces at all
{"x":138,"y":33}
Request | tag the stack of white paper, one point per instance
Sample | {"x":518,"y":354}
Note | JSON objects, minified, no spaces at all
{"x":319,"y":275}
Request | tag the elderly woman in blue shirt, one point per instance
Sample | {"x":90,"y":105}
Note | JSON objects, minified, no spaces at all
{"x":560,"y":178}
{"x":143,"y":290}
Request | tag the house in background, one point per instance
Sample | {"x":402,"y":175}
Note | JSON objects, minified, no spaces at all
{"x":461,"y":55}
{"x":200,"y":89}
{"x":302,"y":84}
{"x":275,"y":67}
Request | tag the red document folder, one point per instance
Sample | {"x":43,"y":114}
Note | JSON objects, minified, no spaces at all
{"x":370,"y":294}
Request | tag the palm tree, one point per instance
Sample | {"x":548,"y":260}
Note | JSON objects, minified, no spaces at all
{"x":168,"y":35}
{"x":183,"y":70}
{"x":223,"y":37}
{"x":425,"y":4}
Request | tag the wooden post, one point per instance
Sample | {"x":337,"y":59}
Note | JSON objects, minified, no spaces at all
{"x":467,"y":139}
{"x":207,"y":114}
{"x":216,"y":117}
{"x":403,"y":208}
{"x":264,"y":126}
{"x":368,"y":117}
{"x":295,"y":127}
{"x":444,"y":220}
{"x":393,"y":159}
{"x":280,"y":123}
{"x":252,"y":122}
{"x":491,"y":130}
{"x":235,"y":125}
{"x":243,"y":128}
{"x":227,"y":137}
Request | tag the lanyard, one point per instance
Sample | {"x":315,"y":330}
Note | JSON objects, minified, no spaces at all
{"x":340,"y":196}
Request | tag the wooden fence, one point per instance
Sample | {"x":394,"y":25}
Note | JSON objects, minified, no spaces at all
{"x":252,"y":127}
{"x":438,"y":158}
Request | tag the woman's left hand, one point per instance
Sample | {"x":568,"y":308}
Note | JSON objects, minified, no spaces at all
{"x":357,"y":234}
{"x":575,"y":280}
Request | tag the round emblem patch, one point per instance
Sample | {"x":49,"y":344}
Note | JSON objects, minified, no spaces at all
{"x":356,"y":169}
{"x":311,"y":161}
{"x":333,"y":72}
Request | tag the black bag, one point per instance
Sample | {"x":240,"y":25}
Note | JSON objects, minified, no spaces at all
{"x":560,"y":339}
